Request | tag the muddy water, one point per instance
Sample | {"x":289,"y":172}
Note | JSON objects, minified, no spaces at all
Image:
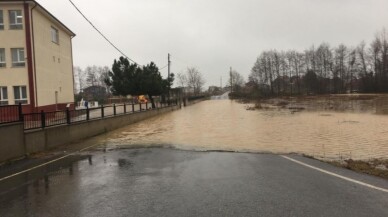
{"x":227,"y":125}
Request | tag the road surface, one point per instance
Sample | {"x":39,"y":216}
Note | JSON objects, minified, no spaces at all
{"x":169,"y":182}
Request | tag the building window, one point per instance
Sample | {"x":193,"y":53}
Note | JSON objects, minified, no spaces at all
{"x":1,"y":20}
{"x":2,"y":57}
{"x":18,"y":57}
{"x":3,"y":96}
{"x":20,"y":93}
{"x":15,"y":19}
{"x":54,"y":35}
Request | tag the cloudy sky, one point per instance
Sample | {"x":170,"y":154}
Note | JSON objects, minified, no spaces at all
{"x":213,"y":35}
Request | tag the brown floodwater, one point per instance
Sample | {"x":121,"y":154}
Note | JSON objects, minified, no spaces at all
{"x":227,"y":125}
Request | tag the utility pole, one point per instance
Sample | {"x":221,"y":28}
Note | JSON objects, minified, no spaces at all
{"x":231,"y":80}
{"x":169,"y":63}
{"x":168,"y":78}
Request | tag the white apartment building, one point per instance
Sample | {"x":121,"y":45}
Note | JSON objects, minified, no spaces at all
{"x":36,"y":64}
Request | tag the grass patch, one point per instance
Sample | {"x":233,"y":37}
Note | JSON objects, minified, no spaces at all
{"x":374,"y":167}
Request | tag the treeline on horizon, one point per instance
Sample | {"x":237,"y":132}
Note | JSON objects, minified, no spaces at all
{"x":323,"y":69}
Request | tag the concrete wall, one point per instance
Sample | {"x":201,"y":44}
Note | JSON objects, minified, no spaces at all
{"x":12,"y":141}
{"x":15,"y":143}
{"x":40,"y":140}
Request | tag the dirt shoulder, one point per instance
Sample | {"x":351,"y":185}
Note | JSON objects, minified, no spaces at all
{"x":376,"y":167}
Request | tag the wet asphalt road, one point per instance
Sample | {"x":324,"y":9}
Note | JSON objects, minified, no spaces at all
{"x":167,"y":182}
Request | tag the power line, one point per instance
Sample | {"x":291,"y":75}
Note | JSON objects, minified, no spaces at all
{"x":122,"y":53}
{"x":180,"y":60}
{"x":163,"y":67}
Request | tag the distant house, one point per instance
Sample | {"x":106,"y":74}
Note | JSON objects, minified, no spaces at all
{"x":94,"y":93}
{"x":36,"y":62}
{"x":188,"y":90}
{"x":213,"y":89}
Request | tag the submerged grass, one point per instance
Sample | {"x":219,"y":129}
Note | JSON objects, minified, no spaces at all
{"x":331,"y":102}
{"x":374,"y":167}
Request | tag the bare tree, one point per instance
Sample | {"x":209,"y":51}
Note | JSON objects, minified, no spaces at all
{"x":362,"y":58}
{"x":79,"y":79}
{"x":261,"y":71}
{"x":299,"y":62}
{"x":195,"y":80}
{"x":182,"y":79}
{"x":351,"y":69}
{"x":310,"y":59}
{"x":256,"y":72}
{"x":92,"y":76}
{"x":237,"y":80}
{"x":324,"y":58}
{"x":340,"y":68}
{"x":103,"y":73}
{"x":384,"y":60}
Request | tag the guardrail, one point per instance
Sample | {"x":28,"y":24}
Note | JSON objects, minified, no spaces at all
{"x":47,"y":119}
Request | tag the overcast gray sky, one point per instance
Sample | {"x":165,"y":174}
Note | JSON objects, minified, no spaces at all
{"x":213,"y":35}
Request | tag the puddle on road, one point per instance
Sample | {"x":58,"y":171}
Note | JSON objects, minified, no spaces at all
{"x":227,"y":125}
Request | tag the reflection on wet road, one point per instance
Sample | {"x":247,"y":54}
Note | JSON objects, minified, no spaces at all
{"x":167,"y":182}
{"x":226,"y":125}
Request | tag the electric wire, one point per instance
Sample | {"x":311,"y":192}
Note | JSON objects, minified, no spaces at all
{"x":180,"y":60}
{"x":163,"y":67}
{"x":111,"y":43}
{"x":121,"y":52}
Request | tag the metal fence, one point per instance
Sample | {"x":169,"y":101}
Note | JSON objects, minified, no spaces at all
{"x":48,"y":119}
{"x":192,"y":98}
{"x":10,"y":113}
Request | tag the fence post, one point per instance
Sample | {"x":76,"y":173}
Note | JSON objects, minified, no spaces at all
{"x":20,"y":112}
{"x":140,"y":106}
{"x":43,"y":118}
{"x":125,"y":109}
{"x":87,"y":113}
{"x":102,"y":111}
{"x":68,"y":116}
{"x":146,"y":105}
{"x":133,"y":107}
{"x":114,"y":109}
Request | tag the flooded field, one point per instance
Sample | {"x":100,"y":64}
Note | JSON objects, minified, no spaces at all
{"x":326,"y":133}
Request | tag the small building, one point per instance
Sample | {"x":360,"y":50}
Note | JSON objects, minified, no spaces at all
{"x":36,"y":62}
{"x":95,"y":93}
{"x":187,"y":90}
{"x":213,"y":89}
